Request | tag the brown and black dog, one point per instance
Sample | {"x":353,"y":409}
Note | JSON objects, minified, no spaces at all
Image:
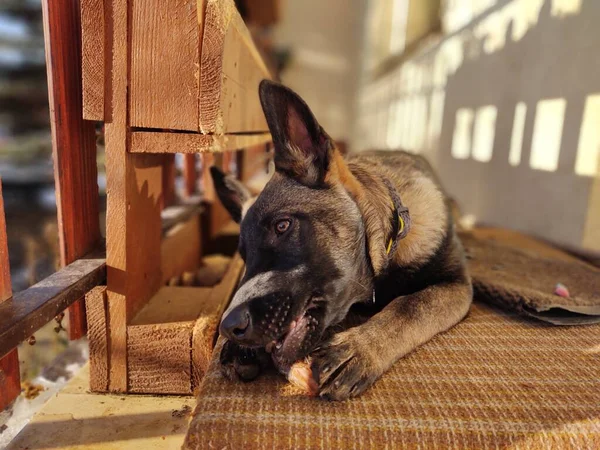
{"x":327,"y":233}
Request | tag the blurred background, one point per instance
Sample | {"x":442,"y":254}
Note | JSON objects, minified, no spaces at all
{"x":503,"y":96}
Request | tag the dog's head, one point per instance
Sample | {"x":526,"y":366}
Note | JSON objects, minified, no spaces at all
{"x":302,"y":238}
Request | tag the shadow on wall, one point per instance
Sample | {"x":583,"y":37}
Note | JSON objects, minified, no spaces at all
{"x":519,"y":140}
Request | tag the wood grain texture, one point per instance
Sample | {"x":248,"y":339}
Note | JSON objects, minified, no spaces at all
{"x":27,"y":311}
{"x":158,"y":142}
{"x":206,"y":326}
{"x":10,"y":379}
{"x":168,"y":180}
{"x":230,"y":71}
{"x":181,"y":249}
{"x":190,"y":174}
{"x":96,"y":311}
{"x":133,"y":226}
{"x":159,"y":358}
{"x":92,"y":58}
{"x":175,"y":304}
{"x":165,"y":52}
{"x":73,"y":143}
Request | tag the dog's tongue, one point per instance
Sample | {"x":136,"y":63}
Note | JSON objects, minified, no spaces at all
{"x":285,"y":354}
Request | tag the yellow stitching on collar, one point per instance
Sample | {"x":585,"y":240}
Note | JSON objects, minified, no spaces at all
{"x":401,"y":224}
{"x":389,"y":247}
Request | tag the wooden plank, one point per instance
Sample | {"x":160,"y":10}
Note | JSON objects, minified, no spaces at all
{"x":206,"y":326}
{"x":92,"y":58}
{"x":73,"y":143}
{"x":96,"y":309}
{"x":133,"y":225}
{"x":76,"y":419}
{"x":10,"y":379}
{"x":168,"y":180}
{"x":175,"y":304}
{"x":157,"y":142}
{"x":181,"y":249}
{"x":264,"y":13}
{"x":27,"y":311}
{"x":159,"y":358}
{"x":190,"y":174}
{"x":230,"y":71}
{"x":209,"y":195}
{"x":165,"y":52}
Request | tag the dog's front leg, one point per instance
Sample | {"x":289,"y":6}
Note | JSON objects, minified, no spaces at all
{"x":354,"y":359}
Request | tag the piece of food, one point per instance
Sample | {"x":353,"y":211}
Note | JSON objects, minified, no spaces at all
{"x":300,"y":375}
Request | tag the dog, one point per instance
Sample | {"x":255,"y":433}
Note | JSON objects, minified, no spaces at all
{"x":327,"y":233}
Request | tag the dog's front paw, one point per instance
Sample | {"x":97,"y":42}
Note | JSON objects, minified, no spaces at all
{"x":241,"y":363}
{"x":344,"y":366}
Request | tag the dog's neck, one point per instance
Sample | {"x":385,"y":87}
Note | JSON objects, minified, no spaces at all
{"x":372,"y":195}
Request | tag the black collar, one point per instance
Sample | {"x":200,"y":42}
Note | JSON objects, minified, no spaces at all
{"x":400,"y":220}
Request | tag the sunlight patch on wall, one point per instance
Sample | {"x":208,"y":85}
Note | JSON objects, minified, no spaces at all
{"x":516,"y":140}
{"x":588,"y":150}
{"x":565,"y":7}
{"x":461,"y":139}
{"x":547,"y":134}
{"x":483,"y":133}
{"x":436,"y":116}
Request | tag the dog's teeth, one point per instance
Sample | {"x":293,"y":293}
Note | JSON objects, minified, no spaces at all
{"x":278,"y":345}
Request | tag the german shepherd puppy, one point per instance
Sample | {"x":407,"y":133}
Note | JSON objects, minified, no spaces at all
{"x":328,"y":233}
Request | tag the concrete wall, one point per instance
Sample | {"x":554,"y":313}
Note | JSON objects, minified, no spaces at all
{"x":326,"y":38}
{"x":508,"y":110}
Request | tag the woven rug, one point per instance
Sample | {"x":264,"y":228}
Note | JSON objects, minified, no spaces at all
{"x":520,"y":273}
{"x":496,"y":380}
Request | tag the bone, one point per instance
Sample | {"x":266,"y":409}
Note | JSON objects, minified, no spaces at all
{"x":300,"y":375}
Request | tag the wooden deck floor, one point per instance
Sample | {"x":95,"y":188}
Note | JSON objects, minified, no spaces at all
{"x":78,"y":419}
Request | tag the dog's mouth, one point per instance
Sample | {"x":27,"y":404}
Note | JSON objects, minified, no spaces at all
{"x":302,"y":333}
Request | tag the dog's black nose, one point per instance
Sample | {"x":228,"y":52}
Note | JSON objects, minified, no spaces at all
{"x":237,"y":325}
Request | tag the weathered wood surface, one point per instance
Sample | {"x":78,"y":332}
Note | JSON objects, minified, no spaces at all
{"x":157,"y":142}
{"x":97,"y":310}
{"x":159,"y":359}
{"x":165,"y":54}
{"x":73,"y":143}
{"x":10,"y":379}
{"x":27,"y":311}
{"x":92,"y":58}
{"x":231,"y":69}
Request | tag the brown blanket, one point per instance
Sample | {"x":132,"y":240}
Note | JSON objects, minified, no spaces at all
{"x":519,"y":273}
{"x":496,"y":380}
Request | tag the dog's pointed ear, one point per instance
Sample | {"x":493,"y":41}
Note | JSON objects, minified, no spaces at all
{"x":232,"y":193}
{"x":302,"y":149}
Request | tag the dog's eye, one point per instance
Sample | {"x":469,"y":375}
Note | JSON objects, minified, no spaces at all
{"x":281,"y":226}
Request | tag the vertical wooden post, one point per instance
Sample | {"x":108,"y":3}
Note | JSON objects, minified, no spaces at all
{"x":190,"y":174}
{"x":10,"y":384}
{"x":73,"y":143}
{"x":168,"y":180}
{"x":134,"y":190}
